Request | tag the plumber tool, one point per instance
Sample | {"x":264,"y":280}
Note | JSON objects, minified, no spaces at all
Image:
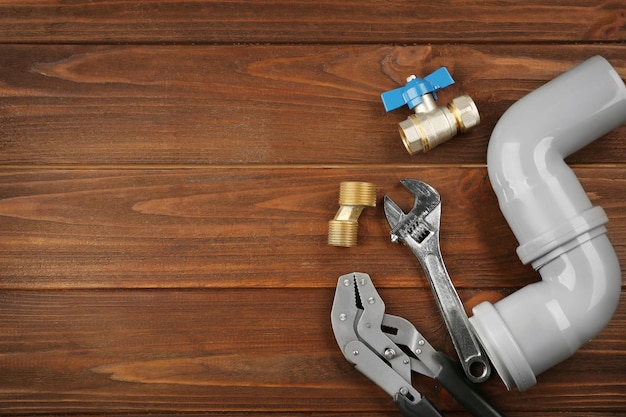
{"x":354,"y":196}
{"x":387,"y":348}
{"x":419,"y":230}
{"x":431,"y":125}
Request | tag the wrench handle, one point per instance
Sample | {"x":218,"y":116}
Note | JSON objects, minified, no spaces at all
{"x":473,"y":360}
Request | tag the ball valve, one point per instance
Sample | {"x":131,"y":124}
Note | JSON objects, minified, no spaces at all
{"x":431,"y":125}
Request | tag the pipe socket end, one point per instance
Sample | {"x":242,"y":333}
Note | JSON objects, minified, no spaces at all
{"x":501,"y":347}
{"x":563,"y":237}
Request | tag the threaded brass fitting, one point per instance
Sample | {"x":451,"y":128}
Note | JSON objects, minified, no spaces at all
{"x":353,"y":198}
{"x":432,"y":125}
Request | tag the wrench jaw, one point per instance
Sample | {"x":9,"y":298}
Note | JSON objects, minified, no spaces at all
{"x":426,"y":197}
{"x":395,"y":217}
{"x":422,"y":221}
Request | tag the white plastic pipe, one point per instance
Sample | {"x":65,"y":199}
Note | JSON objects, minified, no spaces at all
{"x":560,"y":233}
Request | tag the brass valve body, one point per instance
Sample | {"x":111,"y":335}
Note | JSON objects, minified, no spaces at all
{"x":433,"y":125}
{"x":353,"y":198}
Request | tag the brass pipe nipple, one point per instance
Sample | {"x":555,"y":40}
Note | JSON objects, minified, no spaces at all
{"x":353,"y":198}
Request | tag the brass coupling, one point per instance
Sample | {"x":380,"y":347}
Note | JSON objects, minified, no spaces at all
{"x":353,"y":198}
{"x":433,"y":125}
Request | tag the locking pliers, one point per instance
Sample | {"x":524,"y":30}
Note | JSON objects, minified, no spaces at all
{"x":387,"y":349}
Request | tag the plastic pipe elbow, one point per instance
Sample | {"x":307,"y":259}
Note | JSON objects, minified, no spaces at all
{"x":559,"y":231}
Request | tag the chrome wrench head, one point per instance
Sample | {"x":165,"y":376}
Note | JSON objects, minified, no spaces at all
{"x":423,"y":218}
{"x":419,"y":230}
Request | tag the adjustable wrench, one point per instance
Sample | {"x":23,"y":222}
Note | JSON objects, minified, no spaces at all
{"x":419,"y":230}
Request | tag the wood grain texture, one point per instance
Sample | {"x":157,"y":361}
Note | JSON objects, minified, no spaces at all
{"x":226,"y":228}
{"x":259,"y":104}
{"x":310,"y":21}
{"x":124,"y":352}
{"x":168,"y":169}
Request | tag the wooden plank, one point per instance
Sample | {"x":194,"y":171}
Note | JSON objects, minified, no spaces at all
{"x":317,"y":22}
{"x":197,"y":105}
{"x":385,"y":413}
{"x":168,"y":170}
{"x":189,"y":351}
{"x":230,"y":227}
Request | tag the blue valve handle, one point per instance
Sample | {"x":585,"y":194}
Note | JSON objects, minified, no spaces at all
{"x":411,"y":94}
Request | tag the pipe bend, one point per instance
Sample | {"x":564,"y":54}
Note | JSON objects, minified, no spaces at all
{"x":558,"y":229}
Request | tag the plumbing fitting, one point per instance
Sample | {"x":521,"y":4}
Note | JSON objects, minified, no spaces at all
{"x":559,"y":231}
{"x":353,"y":198}
{"x":431,"y":125}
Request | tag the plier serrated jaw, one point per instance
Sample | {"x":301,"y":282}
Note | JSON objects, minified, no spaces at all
{"x":357,"y":319}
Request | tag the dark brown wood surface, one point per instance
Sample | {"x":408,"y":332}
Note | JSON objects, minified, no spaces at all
{"x":168,"y":169}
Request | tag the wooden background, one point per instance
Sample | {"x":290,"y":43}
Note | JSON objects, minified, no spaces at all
{"x":168,"y":170}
